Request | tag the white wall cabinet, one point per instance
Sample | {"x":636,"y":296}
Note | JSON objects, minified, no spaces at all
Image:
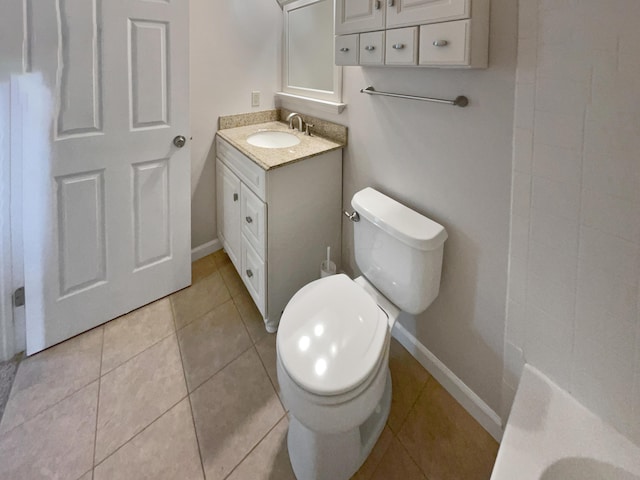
{"x":442,"y":33}
{"x":276,"y":224}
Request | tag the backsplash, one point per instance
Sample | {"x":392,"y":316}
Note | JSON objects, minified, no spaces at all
{"x":574,"y":269}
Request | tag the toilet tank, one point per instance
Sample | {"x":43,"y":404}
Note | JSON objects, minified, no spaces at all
{"x":398,"y":250}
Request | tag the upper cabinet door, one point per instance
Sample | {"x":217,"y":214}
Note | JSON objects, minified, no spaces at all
{"x":353,"y":16}
{"x":402,"y":13}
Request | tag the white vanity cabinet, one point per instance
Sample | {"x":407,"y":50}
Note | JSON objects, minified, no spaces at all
{"x":276,"y":224}
{"x":442,"y":33}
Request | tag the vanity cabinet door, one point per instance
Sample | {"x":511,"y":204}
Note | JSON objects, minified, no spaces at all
{"x":254,"y":275}
{"x":401,"y":13}
{"x":353,"y":16}
{"x":372,"y":48}
{"x":229,"y":212}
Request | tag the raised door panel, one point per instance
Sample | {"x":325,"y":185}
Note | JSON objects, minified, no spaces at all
{"x":353,"y":16}
{"x":402,"y":13}
{"x":254,"y":219}
{"x":231,"y":212}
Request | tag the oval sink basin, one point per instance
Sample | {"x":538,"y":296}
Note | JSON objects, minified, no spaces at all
{"x":272,"y":139}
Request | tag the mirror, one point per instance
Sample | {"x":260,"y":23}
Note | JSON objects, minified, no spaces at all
{"x":308,"y":65}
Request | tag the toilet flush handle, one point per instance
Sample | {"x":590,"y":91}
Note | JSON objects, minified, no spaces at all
{"x":354,"y":217}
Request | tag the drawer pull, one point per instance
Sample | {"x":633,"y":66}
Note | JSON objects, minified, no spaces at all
{"x":344,"y":49}
{"x":398,"y":46}
{"x":377,"y":7}
{"x":249,"y":219}
{"x":235,"y":197}
{"x":369,"y":48}
{"x":249,"y":273}
{"x":440,"y":43}
{"x":391,"y":2}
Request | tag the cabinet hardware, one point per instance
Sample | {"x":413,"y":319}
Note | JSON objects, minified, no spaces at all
{"x":249,"y":219}
{"x":440,"y":43}
{"x":369,"y":48}
{"x":377,"y":5}
{"x":249,"y":273}
{"x":398,"y":46}
{"x":235,"y":197}
{"x":344,"y":49}
{"x":391,"y":2}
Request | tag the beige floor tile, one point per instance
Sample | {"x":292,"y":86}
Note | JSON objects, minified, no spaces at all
{"x":396,"y":464}
{"x":165,"y":450}
{"x":267,"y":350}
{"x":193,"y":302}
{"x":47,"y":377}
{"x":220,"y":257}
{"x":136,"y":393}
{"x":57,"y":443}
{"x":232,"y":280}
{"x":444,"y":440}
{"x":250,"y":315}
{"x":233,"y":411}
{"x":408,"y":379}
{"x":130,"y":334}
{"x":202,"y":268}
{"x":379,"y":449}
{"x":211,"y":342}
{"x":269,"y":460}
{"x":87,"y":476}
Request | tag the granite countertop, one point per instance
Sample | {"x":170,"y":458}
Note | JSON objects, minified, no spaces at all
{"x":269,"y":158}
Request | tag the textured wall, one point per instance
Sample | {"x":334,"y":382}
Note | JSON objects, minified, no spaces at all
{"x":575,"y":224}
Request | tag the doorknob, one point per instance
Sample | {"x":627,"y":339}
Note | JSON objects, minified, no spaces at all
{"x":179,"y":141}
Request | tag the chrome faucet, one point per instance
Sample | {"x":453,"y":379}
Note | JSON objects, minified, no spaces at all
{"x":291,"y":117}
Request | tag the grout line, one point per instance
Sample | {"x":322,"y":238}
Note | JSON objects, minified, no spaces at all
{"x":219,"y":370}
{"x":404,"y":421}
{"x":266,"y":371}
{"x":193,"y":420}
{"x":89,"y":382}
{"x":256,"y":445}
{"x":208,"y":311}
{"x":138,"y":433}
{"x":95,"y":433}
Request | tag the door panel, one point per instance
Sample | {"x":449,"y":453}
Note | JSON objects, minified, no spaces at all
{"x":107,"y":199}
{"x":412,"y":12}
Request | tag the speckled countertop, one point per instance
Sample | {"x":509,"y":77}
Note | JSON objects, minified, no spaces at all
{"x":269,"y":158}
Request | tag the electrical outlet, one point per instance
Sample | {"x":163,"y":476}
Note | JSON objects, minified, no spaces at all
{"x":255,"y":99}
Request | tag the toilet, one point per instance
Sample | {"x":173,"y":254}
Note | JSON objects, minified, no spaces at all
{"x":334,"y":336}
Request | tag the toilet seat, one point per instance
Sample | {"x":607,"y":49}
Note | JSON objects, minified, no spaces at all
{"x":332,"y":336}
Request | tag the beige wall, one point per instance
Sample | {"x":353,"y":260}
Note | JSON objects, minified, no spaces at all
{"x":574,"y":299}
{"x":235,"y":48}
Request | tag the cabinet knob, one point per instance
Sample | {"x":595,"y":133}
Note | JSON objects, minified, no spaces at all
{"x":391,"y":2}
{"x":249,"y":273}
{"x":398,"y":46}
{"x":440,"y":43}
{"x":344,"y":49}
{"x":377,"y":5}
{"x":235,"y":197}
{"x":369,"y":48}
{"x":249,"y":219}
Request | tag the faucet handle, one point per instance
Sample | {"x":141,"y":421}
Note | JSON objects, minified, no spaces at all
{"x":307,"y":126}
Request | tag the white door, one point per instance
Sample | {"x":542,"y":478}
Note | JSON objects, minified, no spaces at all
{"x":107,"y":197}
{"x":353,"y":16}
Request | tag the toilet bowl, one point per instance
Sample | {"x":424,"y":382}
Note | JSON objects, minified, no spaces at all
{"x":334,"y":336}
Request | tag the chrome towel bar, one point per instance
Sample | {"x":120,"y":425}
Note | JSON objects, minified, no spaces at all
{"x":460,"y":101}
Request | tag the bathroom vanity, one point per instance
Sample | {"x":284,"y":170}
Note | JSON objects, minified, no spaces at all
{"x":277,"y":210}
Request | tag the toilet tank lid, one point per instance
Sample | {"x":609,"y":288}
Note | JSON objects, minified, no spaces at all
{"x":397,"y":220}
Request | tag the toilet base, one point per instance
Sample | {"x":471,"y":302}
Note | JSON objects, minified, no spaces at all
{"x":337,"y":456}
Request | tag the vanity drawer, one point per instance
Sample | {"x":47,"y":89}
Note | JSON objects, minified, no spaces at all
{"x":372,"y":48}
{"x":253,"y":275}
{"x":249,"y":172}
{"x":253,"y":219}
{"x":347,"y":49}
{"x":401,"y":46}
{"x":445,"y":44}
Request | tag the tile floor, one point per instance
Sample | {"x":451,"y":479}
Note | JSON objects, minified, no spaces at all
{"x":185,"y":388}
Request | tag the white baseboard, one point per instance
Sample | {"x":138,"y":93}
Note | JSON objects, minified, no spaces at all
{"x":205,"y":249}
{"x":471,"y":402}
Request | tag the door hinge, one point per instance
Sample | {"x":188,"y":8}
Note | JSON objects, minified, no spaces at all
{"x":18,"y":297}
